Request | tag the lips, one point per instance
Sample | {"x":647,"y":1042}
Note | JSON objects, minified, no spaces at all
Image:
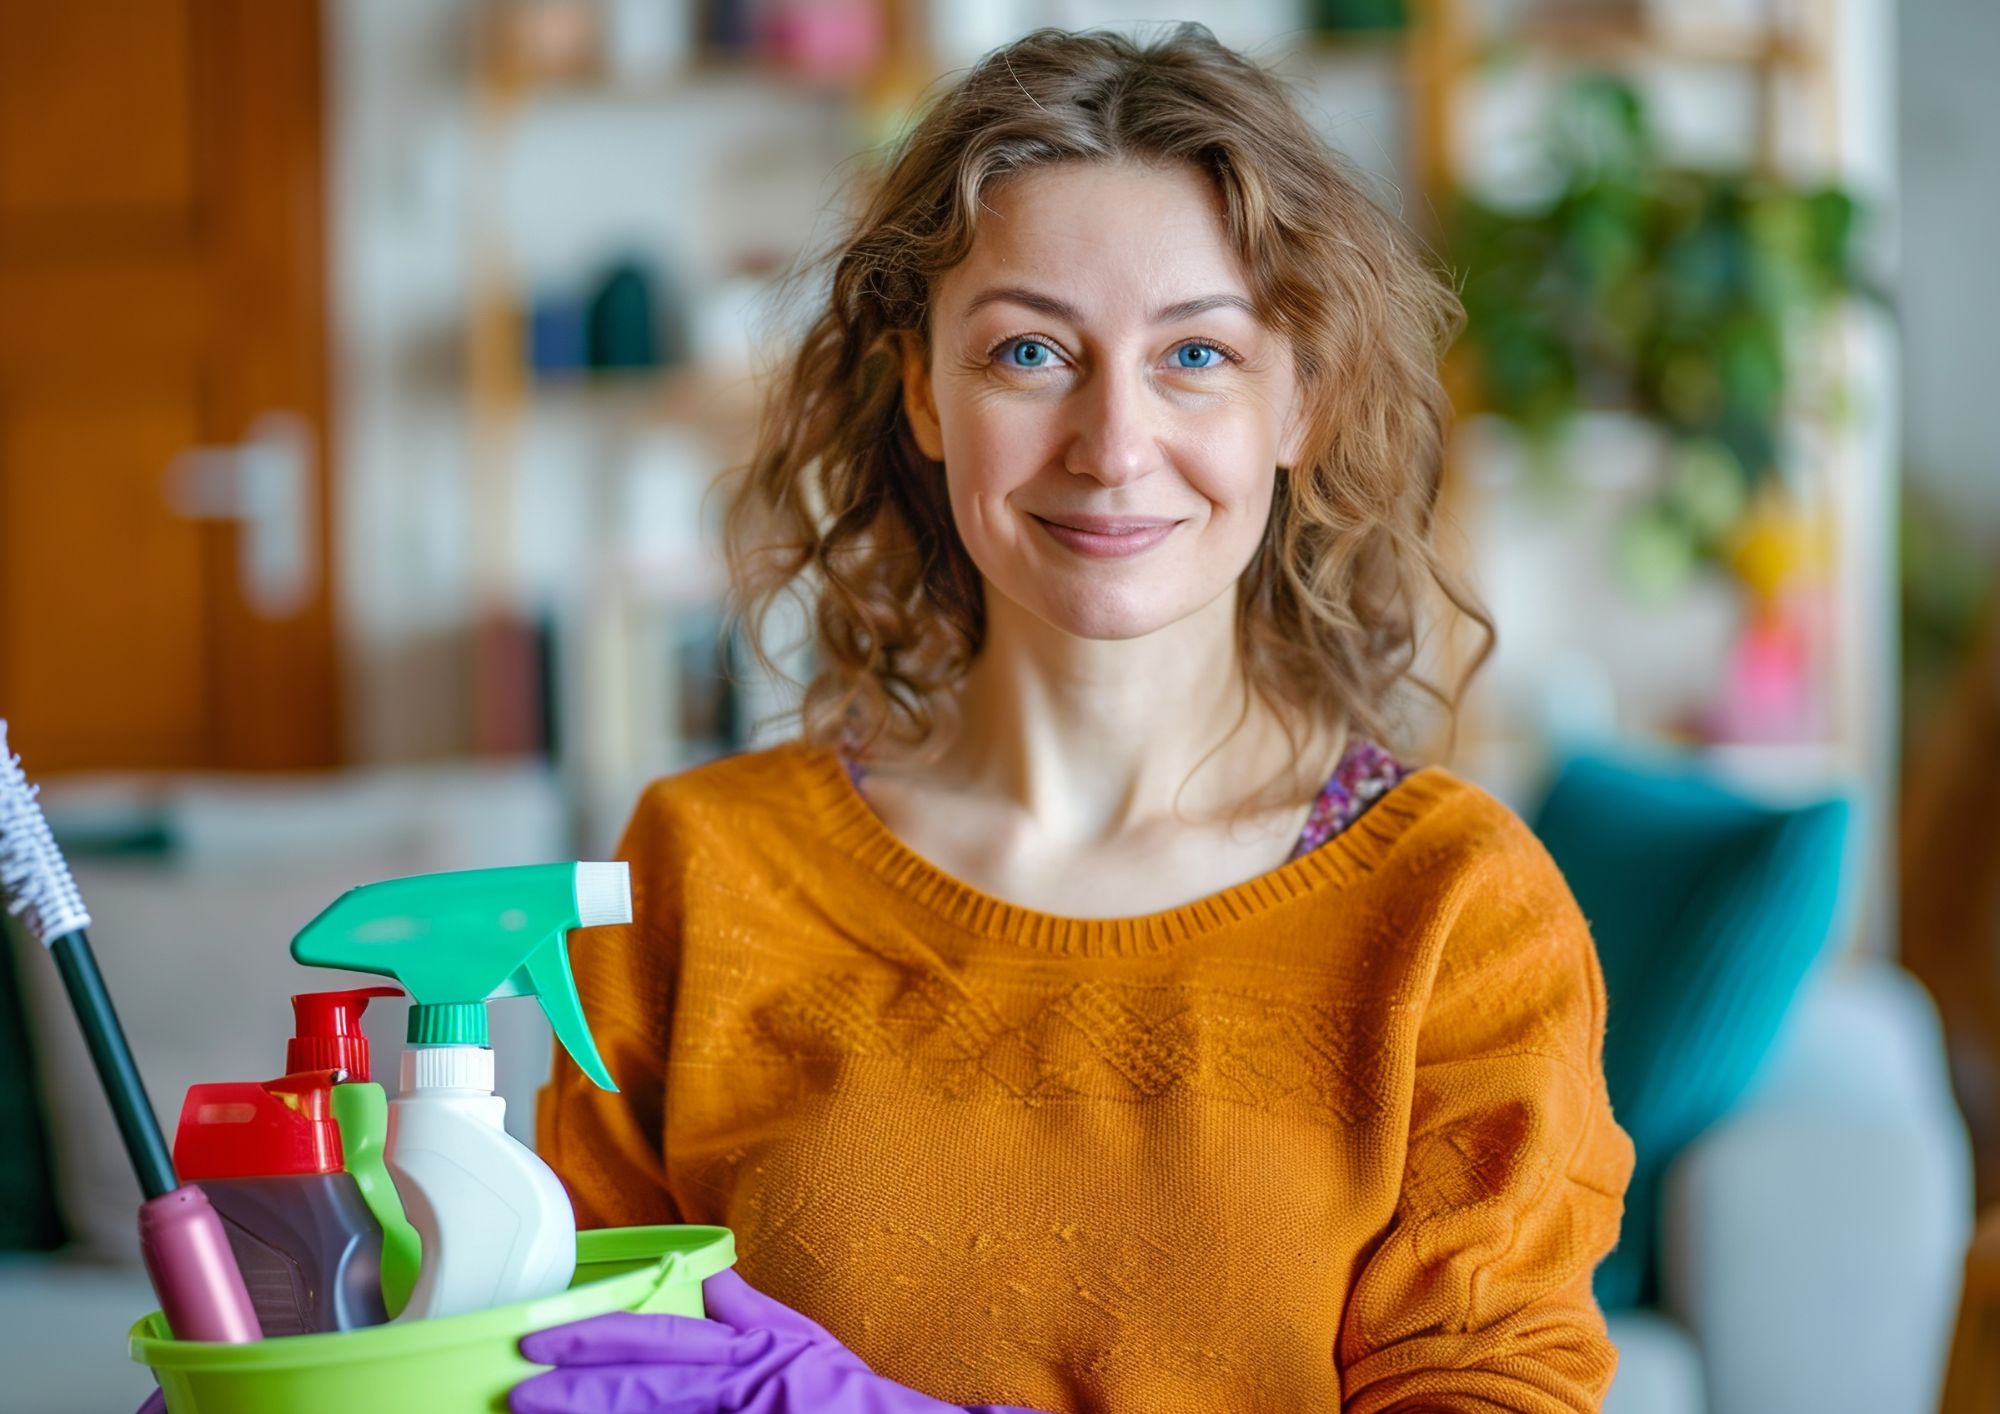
{"x":1107,"y":537}
{"x":1107,"y":525}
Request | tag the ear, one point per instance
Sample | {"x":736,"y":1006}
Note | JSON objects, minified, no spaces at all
{"x":918,"y":404}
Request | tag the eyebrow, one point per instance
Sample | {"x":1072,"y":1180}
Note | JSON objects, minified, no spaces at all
{"x":1062,"y":309}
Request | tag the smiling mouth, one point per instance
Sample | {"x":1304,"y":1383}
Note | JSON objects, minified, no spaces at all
{"x":1106,"y":537}
{"x":1109,"y":525}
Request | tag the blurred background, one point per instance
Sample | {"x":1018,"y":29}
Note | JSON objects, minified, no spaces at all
{"x":363,"y":365}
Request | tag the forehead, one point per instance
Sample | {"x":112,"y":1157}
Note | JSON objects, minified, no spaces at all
{"x":1117,"y":230}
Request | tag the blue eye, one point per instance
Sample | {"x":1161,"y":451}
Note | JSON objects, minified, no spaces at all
{"x":1034,"y":353}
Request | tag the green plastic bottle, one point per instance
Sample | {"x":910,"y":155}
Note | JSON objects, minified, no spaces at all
{"x":455,"y":942}
{"x":327,"y":1035}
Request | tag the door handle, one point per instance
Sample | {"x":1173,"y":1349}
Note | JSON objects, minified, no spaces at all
{"x":267,"y":484}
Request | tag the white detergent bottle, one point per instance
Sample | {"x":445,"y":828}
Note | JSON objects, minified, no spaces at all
{"x":494,"y":1222}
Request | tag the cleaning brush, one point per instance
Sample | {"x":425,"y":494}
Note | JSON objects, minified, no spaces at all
{"x":41,"y":892}
{"x":187,"y":1253}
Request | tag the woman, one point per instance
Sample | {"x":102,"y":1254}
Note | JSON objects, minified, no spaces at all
{"x":1088,"y":1013}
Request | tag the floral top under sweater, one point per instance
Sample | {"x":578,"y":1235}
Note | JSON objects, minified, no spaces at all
{"x":1334,"y":1138}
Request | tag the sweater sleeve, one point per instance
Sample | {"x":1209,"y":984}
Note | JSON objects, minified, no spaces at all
{"x":1478,"y":1297}
{"x":608,"y":1147}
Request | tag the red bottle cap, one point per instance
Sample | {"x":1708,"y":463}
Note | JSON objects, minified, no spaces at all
{"x":327,"y":1031}
{"x":259,"y":1128}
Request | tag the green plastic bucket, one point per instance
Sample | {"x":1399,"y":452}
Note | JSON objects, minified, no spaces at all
{"x":456,"y":1365}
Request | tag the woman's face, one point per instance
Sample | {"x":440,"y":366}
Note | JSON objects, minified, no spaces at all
{"x":1109,"y":410}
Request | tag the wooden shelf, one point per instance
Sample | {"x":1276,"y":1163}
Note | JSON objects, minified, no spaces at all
{"x":631,"y":596}
{"x":722,"y":406}
{"x":1356,"y":44}
{"x":1796,"y":125}
{"x":1607,"y":44}
{"x":692,"y":81}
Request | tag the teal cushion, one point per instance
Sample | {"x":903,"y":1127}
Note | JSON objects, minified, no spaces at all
{"x":1709,"y":910}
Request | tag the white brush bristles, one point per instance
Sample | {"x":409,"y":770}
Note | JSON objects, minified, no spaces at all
{"x":33,"y":877}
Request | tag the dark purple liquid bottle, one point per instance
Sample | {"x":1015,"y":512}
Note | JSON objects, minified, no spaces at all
{"x":310,"y":1250}
{"x":267,"y":1155}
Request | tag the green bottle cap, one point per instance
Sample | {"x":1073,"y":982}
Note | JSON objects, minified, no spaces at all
{"x":448,"y":1024}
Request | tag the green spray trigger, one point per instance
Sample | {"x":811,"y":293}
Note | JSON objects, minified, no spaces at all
{"x":456,"y":941}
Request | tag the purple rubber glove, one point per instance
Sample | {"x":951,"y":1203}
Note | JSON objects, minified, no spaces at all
{"x":156,"y":1403}
{"x":752,"y":1356}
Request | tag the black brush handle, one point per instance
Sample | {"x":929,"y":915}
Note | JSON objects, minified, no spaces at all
{"x":119,"y":1074}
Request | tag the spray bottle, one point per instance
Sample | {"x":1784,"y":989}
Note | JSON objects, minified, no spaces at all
{"x":267,"y":1154}
{"x":493,"y":1220}
{"x":327,"y":1035}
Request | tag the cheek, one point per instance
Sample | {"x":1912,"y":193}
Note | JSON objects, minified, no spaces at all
{"x":991,"y":452}
{"x":993,"y":444}
{"x":1234,"y":472}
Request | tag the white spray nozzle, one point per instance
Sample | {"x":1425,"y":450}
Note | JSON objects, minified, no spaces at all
{"x":603,"y":894}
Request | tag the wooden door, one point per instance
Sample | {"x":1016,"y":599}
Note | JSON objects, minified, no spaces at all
{"x":162,"y":292}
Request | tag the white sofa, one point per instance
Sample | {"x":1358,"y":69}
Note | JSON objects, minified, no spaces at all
{"x":1813,"y":1241}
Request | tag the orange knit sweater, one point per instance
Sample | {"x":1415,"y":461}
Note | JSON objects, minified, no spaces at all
{"x":1334,"y":1138}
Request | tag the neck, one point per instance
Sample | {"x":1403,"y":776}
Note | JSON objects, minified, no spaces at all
{"x":1096,"y":739}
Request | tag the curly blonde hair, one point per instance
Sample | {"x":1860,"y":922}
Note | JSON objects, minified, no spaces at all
{"x":839,"y":504}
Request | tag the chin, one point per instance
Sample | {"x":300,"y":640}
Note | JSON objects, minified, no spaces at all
{"x":1130,"y":612}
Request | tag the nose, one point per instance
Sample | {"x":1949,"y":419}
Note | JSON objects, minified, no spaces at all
{"x":1114,"y":439}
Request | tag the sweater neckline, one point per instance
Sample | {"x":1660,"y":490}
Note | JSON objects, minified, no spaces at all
{"x":852,"y":826}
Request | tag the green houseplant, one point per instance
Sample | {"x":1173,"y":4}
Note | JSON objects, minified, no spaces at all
{"x":1669,"y":291}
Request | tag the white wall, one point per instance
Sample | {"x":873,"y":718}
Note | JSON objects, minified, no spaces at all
{"x":1950,"y":282}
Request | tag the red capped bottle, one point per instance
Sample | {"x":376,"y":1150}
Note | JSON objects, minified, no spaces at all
{"x":268,"y":1156}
